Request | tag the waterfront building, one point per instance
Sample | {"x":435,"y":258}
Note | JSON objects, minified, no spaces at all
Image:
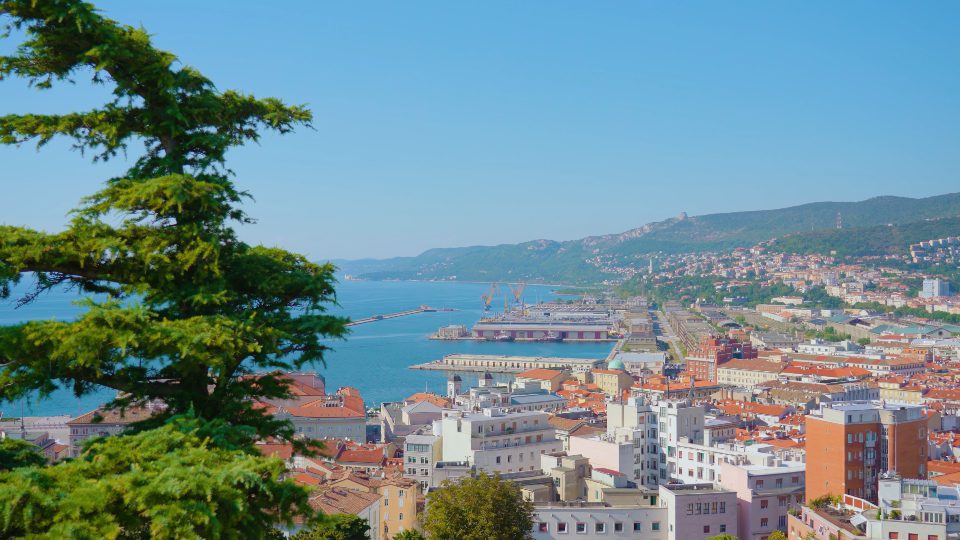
{"x":420,"y":453}
{"x":496,"y":440}
{"x":528,"y":329}
{"x":510,"y":364}
{"x":850,"y":444}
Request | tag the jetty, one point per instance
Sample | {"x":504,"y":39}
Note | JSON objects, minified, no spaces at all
{"x":375,"y":318}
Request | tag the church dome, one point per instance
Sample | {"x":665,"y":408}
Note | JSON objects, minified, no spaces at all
{"x":616,"y":363}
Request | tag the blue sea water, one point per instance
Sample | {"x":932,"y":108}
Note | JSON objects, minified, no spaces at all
{"x":374,"y":357}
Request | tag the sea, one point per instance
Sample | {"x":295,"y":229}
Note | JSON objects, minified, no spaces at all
{"x":374,"y":357}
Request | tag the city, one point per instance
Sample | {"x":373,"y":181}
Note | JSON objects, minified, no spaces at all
{"x":419,"y":330}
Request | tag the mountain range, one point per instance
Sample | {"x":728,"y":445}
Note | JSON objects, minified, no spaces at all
{"x":583,"y":260}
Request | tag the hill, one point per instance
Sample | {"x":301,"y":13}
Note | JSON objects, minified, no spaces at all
{"x":585,"y":260}
{"x":892,"y":239}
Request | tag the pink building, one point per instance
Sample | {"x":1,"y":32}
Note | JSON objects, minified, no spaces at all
{"x":698,"y":511}
{"x":764,"y":495}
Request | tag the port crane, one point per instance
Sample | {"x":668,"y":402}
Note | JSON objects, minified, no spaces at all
{"x":517,"y":293}
{"x":488,"y":297}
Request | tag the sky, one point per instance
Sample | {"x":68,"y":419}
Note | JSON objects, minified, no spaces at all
{"x":441,"y":124}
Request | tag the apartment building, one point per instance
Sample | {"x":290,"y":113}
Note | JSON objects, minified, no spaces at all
{"x":699,"y":511}
{"x":765,"y":494}
{"x":850,"y":444}
{"x":749,"y":372}
{"x":498,"y":441}
{"x":599,"y":521}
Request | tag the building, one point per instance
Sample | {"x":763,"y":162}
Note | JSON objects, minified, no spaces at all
{"x":773,"y":340}
{"x":497,"y":441}
{"x":749,"y":372}
{"x":547,"y":379}
{"x":919,"y":508}
{"x":453,"y":331}
{"x":764,"y":495}
{"x":850,"y":444}
{"x":104,"y":422}
{"x":420,"y":454}
{"x":339,"y":500}
{"x":935,"y":288}
{"x":699,"y":511}
{"x":338,"y":416}
{"x":599,"y":521}
{"x":614,"y":380}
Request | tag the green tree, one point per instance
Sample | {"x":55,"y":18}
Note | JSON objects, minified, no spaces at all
{"x":16,"y":453}
{"x":481,"y":508}
{"x":173,"y":482}
{"x":723,"y":537}
{"x":337,"y":527}
{"x":777,"y":535}
{"x":186,"y":310}
{"x":409,"y":534}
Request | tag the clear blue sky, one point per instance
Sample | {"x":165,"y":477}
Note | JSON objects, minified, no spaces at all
{"x":460,"y":123}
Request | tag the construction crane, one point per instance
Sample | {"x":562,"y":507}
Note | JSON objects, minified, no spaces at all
{"x":488,"y":298}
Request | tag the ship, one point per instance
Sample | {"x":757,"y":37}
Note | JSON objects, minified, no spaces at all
{"x":502,"y":336}
{"x":551,"y":337}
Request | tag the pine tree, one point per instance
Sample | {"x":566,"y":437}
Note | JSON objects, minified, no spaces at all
{"x":178,"y":309}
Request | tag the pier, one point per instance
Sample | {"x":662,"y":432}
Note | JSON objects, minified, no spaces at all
{"x":421,"y":309}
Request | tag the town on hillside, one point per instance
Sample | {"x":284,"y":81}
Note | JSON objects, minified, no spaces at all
{"x":705,"y":419}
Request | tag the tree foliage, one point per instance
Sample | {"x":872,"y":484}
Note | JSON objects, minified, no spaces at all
{"x":16,"y":453}
{"x":170,"y":482}
{"x":409,"y":534}
{"x":481,"y":508}
{"x":185,"y":309}
{"x":777,"y":535}
{"x":337,"y":527}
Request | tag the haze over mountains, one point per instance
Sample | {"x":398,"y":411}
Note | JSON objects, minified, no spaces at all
{"x":808,"y":226}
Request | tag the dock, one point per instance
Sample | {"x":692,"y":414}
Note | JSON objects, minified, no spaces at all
{"x":375,"y":318}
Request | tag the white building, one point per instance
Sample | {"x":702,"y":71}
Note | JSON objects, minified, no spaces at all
{"x":599,"y":521}
{"x":496,"y":440}
{"x":935,"y":288}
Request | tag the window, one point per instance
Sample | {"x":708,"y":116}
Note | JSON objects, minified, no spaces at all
{"x":543,"y":527}
{"x":655,"y":526}
{"x":386,"y":502}
{"x":498,"y":459}
{"x":690,"y":509}
{"x":637,"y":526}
{"x":763,"y":503}
{"x":401,"y":516}
{"x":618,"y":527}
{"x":561,"y":527}
{"x":706,"y":529}
{"x":913,"y":536}
{"x":893,"y":535}
{"x":764,"y":522}
{"x":400,"y":493}
{"x":723,"y":527}
{"x":760,"y":483}
{"x":723,"y":507}
{"x":600,"y":527}
{"x":581,"y":527}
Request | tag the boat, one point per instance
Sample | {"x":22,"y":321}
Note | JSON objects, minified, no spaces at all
{"x":550,"y":337}
{"x":502,"y":336}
